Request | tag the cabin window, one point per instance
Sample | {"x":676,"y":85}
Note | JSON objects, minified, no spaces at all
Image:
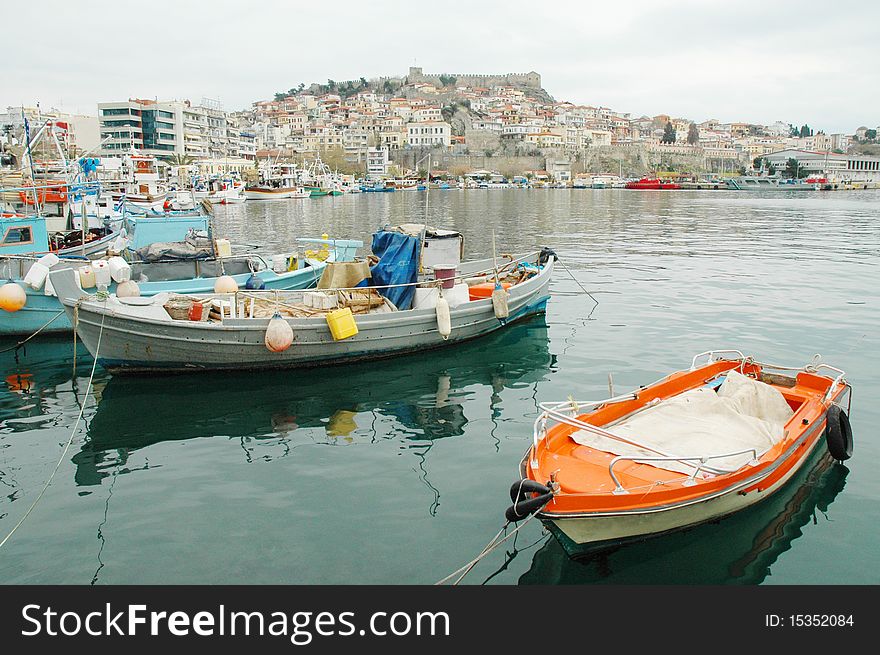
{"x":17,"y":235}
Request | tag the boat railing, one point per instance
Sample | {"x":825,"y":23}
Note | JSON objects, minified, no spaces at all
{"x":813,"y":367}
{"x":710,"y":354}
{"x":691,"y":479}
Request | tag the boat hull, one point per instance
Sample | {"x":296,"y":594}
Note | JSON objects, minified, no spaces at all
{"x":269,"y":194}
{"x":131,"y":346}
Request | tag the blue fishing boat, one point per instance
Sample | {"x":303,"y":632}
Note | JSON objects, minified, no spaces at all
{"x":169,"y":253}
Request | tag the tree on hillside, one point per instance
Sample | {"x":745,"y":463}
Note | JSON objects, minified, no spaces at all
{"x":805,"y":131}
{"x":693,"y":136}
{"x":870,"y":135}
{"x":448,"y":80}
{"x":793,"y":131}
{"x":668,"y":134}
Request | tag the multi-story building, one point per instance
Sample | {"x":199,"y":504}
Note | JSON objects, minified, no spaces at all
{"x":377,"y":163}
{"x":429,"y":133}
{"x":168,"y":128}
{"x":156,"y":128}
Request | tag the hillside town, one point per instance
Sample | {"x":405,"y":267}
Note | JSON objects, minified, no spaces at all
{"x":503,"y":125}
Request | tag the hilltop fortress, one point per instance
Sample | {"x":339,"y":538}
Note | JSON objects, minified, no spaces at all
{"x":530,"y":79}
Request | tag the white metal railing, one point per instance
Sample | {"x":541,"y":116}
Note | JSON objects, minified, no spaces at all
{"x":691,"y":480}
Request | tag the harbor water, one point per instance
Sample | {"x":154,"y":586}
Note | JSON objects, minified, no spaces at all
{"x":397,"y":472}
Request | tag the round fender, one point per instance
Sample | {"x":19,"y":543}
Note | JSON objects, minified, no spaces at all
{"x":518,"y":490}
{"x":838,"y":434}
{"x":545,"y":255}
{"x":523,"y":508}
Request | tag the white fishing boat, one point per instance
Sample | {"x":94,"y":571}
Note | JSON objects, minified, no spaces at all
{"x":337,"y":324}
{"x":277,"y":182}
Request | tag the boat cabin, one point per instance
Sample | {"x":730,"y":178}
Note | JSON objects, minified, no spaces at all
{"x":142,"y":231}
{"x":23,"y":235}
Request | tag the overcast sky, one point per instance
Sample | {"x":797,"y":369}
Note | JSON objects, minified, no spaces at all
{"x":799,"y":62}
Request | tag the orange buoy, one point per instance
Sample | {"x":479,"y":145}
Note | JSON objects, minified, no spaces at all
{"x":225,"y":284}
{"x":279,"y":334}
{"x":12,"y":297}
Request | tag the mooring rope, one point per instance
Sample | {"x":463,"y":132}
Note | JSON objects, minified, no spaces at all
{"x":577,"y":282}
{"x":66,"y":447}
{"x":488,"y":548}
{"x":21,"y":343}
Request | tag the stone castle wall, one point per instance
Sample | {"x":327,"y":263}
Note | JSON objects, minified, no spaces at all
{"x":530,"y":79}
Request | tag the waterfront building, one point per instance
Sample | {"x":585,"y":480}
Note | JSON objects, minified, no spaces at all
{"x":377,"y":163}
{"x":155,"y":128}
{"x":844,"y":168}
{"x":167,"y":128}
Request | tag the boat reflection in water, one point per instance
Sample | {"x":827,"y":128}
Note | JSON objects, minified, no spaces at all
{"x":38,"y":379}
{"x":270,"y":414}
{"x":739,"y":549}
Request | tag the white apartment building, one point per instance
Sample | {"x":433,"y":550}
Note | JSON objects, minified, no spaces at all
{"x":429,"y":133}
{"x":377,"y":163}
{"x":167,"y":128}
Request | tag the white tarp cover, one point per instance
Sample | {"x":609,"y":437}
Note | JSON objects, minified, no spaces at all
{"x":743,"y":414}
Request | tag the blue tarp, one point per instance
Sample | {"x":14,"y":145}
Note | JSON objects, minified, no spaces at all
{"x":398,"y":264}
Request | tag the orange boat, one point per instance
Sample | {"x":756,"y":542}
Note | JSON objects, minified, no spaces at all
{"x":47,"y":191}
{"x":692,"y":447}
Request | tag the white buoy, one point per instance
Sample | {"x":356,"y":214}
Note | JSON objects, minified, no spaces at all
{"x":225,"y":284}
{"x":499,"y":302}
{"x":279,"y":334}
{"x":12,"y":297}
{"x":444,"y":322}
{"x":128,"y":289}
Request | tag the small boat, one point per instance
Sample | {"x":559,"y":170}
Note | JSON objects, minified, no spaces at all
{"x":162,"y":254}
{"x":263,"y":192}
{"x":334,"y":325}
{"x":651,"y":183}
{"x":693,"y":447}
{"x":378,"y":187}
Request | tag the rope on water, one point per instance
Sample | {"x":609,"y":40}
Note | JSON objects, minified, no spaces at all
{"x":488,"y":548}
{"x":577,"y":282}
{"x":24,"y":341}
{"x":66,"y":447}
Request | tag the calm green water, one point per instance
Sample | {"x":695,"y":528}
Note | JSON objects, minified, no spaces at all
{"x":397,"y":472}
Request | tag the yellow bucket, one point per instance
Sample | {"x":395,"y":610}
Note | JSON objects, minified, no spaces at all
{"x":341,"y":322}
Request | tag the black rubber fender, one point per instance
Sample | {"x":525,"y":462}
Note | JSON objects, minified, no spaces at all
{"x":522,"y":509}
{"x":518,"y":490}
{"x":545,"y":254}
{"x":838,"y":433}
